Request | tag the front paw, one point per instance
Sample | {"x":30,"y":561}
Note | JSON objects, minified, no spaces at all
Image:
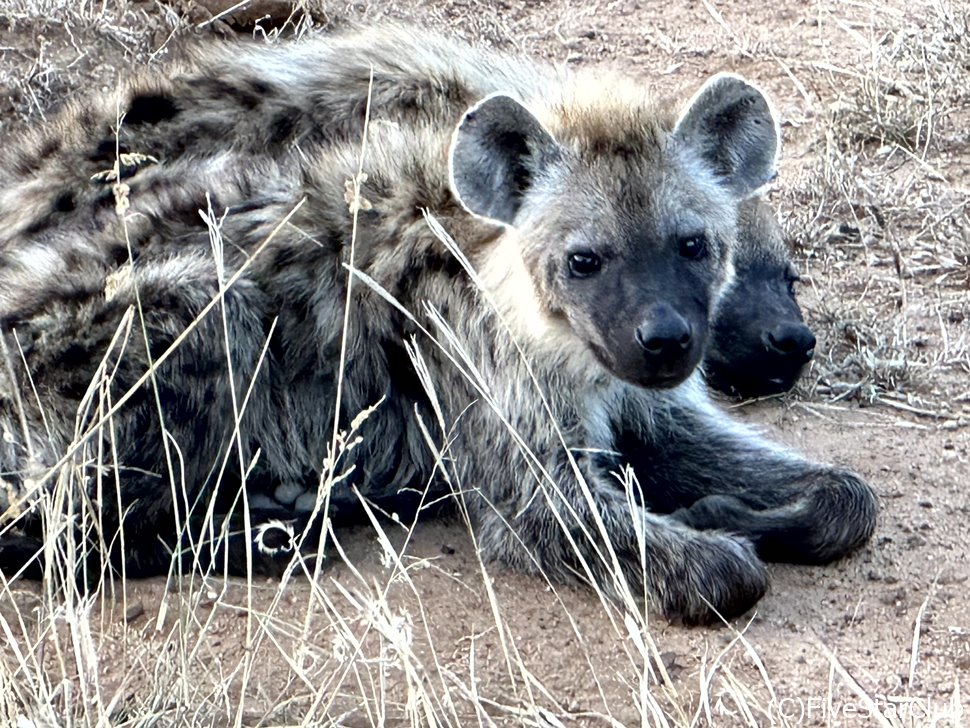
{"x":715,"y":513}
{"x":717,"y":577}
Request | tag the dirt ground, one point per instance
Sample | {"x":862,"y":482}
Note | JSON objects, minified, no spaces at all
{"x":875,"y":100}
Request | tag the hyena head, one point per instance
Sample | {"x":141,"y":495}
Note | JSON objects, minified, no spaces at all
{"x":625,"y":229}
{"x":759,"y":342}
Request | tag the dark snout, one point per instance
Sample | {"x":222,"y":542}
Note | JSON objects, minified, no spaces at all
{"x":667,"y":342}
{"x":758,"y":359}
{"x":665,"y":338}
{"x":793,"y":342}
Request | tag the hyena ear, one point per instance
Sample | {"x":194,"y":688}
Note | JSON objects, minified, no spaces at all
{"x":731,"y":125}
{"x":497,"y":151}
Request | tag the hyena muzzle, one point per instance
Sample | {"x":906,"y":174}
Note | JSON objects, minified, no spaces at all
{"x":172,"y":303}
{"x":759,"y":342}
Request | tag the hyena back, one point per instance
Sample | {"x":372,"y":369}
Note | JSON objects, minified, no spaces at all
{"x":601,"y":237}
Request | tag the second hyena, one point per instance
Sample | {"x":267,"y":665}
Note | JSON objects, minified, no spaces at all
{"x":208,"y":239}
{"x":759,"y":342}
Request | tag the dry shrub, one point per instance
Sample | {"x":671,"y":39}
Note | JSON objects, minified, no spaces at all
{"x":880,"y":218}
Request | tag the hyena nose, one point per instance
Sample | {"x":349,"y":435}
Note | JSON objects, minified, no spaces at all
{"x":665,"y":335}
{"x":790,"y":340}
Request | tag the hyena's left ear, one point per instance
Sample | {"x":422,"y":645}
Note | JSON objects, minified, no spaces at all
{"x":732,"y":126}
{"x":497,"y":152}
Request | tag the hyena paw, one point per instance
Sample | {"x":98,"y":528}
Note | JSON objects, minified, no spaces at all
{"x":847,"y":509}
{"x":829,"y":516}
{"x":718,"y":577}
{"x":714,"y":512}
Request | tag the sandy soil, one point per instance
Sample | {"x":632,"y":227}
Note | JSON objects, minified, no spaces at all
{"x":886,"y":630}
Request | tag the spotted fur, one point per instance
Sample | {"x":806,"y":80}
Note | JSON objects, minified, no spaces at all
{"x":595,"y":236}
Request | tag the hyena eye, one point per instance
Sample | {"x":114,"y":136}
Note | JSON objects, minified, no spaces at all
{"x":583,"y":265}
{"x":693,"y":247}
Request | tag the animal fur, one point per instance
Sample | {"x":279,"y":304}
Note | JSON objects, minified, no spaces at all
{"x":600,"y":232}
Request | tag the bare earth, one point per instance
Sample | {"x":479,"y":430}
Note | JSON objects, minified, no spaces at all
{"x":883,"y":242}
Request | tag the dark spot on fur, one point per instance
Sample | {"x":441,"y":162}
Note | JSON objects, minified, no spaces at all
{"x":249,"y":206}
{"x":75,"y":295}
{"x":75,"y":356}
{"x":111,"y":310}
{"x":73,"y":259}
{"x":65,"y":202}
{"x":162,"y":300}
{"x":150,"y":109}
{"x":51,"y":146}
{"x":284,"y":256}
{"x":444,"y":263}
{"x":119,"y":254}
{"x":284,"y":123}
{"x":37,"y":226}
{"x":335,"y":241}
{"x":247,"y":100}
{"x":128,"y":170}
{"x":74,"y":388}
{"x":105,"y":198}
{"x":107,"y":150}
{"x":218,"y":88}
{"x":196,"y":136}
{"x":86,"y":119}
{"x":260,"y":87}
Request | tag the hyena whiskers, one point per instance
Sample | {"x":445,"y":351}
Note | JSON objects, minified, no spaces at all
{"x":601,"y":228}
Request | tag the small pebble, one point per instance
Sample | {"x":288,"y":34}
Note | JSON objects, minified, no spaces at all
{"x":134,"y":612}
{"x":287,"y":493}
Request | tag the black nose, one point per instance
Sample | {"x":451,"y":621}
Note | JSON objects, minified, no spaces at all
{"x":790,"y":340}
{"x":666,"y":335}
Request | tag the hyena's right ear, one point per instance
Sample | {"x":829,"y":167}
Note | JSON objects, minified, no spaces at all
{"x":497,"y":151}
{"x":732,"y":126}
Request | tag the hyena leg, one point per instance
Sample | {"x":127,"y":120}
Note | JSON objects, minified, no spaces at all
{"x":569,"y":532}
{"x":714,"y":474}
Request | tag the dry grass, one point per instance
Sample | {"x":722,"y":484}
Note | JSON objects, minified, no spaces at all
{"x":884,"y":235}
{"x":882,"y":217}
{"x":39,"y":69}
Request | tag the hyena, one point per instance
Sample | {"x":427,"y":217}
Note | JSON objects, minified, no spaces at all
{"x":552,"y":345}
{"x":759,"y":341}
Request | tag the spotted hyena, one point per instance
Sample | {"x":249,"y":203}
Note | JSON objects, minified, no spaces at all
{"x":759,"y":342}
{"x":194,"y":295}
